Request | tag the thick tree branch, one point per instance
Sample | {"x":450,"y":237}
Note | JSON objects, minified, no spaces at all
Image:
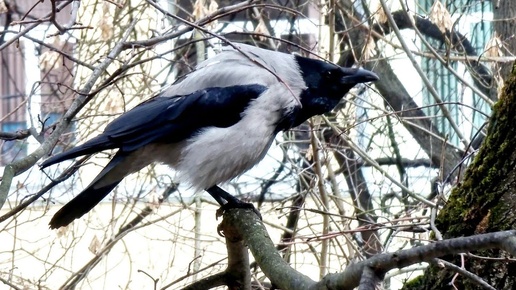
{"x":219,"y":279}
{"x":267,"y":257}
{"x":238,"y":271}
{"x":18,"y":135}
{"x":281,"y":274}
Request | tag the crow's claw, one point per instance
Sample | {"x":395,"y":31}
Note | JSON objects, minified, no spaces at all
{"x":237,"y":204}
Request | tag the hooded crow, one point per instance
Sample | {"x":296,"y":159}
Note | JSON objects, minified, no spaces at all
{"x":215,"y":123}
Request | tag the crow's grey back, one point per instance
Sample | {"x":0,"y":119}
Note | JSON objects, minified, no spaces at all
{"x":231,"y":67}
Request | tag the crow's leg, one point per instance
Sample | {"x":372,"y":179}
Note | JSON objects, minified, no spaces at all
{"x":228,"y":201}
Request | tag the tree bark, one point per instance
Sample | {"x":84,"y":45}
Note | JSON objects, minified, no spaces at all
{"x":483,"y":202}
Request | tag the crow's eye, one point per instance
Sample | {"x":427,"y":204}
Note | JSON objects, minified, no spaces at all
{"x":330,"y":75}
{"x":327,"y":74}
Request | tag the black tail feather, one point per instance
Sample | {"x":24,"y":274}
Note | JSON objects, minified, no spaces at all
{"x":80,"y":205}
{"x":89,"y":197}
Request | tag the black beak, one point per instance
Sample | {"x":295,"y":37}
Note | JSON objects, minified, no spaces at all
{"x":354,"y":76}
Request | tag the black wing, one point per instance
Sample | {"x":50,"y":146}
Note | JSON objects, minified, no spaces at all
{"x":166,"y":119}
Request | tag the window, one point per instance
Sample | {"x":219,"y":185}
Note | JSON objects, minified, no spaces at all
{"x":474,"y":26}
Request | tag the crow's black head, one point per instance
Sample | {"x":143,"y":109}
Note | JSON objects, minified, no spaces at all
{"x":326,"y":85}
